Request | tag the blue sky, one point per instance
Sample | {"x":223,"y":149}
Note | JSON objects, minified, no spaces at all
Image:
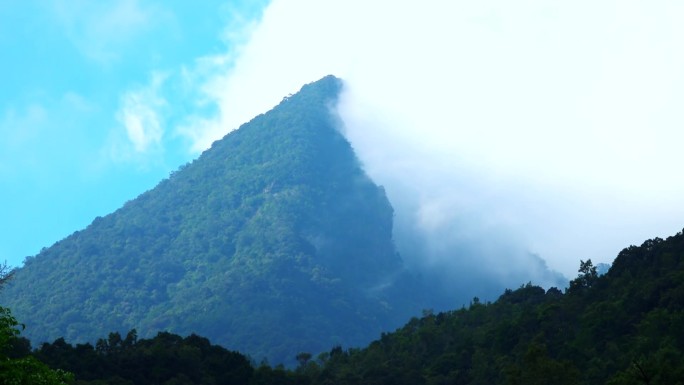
{"x":546,"y":127}
{"x":90,"y":98}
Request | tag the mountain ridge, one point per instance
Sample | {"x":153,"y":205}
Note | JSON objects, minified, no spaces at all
{"x":273,"y":242}
{"x":276,"y":226}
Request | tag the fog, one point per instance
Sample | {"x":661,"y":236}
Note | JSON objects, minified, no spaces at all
{"x":454,"y":222}
{"x":503,"y":132}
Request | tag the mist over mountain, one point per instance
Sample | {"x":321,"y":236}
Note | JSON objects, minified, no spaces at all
{"x":464,"y":228}
{"x":273,"y":242}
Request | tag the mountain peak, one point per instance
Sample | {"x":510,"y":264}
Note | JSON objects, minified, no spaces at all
{"x":271,"y":242}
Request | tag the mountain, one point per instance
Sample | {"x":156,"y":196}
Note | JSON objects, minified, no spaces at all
{"x":274,"y":241}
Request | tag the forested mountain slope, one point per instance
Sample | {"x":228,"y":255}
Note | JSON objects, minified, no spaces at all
{"x":624,"y":327}
{"x":272,"y":242}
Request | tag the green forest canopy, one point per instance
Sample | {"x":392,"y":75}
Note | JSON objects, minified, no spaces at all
{"x":624,"y":327}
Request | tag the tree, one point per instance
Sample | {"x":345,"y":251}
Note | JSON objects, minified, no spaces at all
{"x":6,"y":274}
{"x":586,"y":278}
{"x":303,"y":358}
{"x":538,"y":368}
{"x":25,"y":370}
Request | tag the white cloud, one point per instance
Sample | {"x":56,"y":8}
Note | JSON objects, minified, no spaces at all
{"x":216,"y":112}
{"x":200,"y":113}
{"x":141,"y":115}
{"x":559,"y":121}
{"x":203,"y":83}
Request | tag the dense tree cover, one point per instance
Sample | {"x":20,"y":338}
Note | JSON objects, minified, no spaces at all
{"x":23,"y":369}
{"x":165,"y":359}
{"x":273,"y":241}
{"x":624,"y":327}
{"x":17,"y":367}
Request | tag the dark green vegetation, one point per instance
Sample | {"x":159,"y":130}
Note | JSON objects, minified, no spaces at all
{"x":165,"y":359}
{"x":273,"y":242}
{"x":20,"y":369}
{"x":17,"y":367}
{"x":624,"y":327}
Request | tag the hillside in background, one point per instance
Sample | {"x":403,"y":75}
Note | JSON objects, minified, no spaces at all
{"x":272,"y":242}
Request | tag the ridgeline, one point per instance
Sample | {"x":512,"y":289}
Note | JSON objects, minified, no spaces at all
{"x":272,"y":242}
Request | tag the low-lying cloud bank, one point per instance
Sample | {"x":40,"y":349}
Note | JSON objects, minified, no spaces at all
{"x":500,"y":131}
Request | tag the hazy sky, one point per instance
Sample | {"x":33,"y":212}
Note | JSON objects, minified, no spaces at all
{"x":549,"y":127}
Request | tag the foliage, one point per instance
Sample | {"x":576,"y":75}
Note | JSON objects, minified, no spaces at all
{"x":624,"y":327}
{"x":165,"y":359}
{"x":6,"y":274}
{"x":23,"y":370}
{"x":273,"y":242}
